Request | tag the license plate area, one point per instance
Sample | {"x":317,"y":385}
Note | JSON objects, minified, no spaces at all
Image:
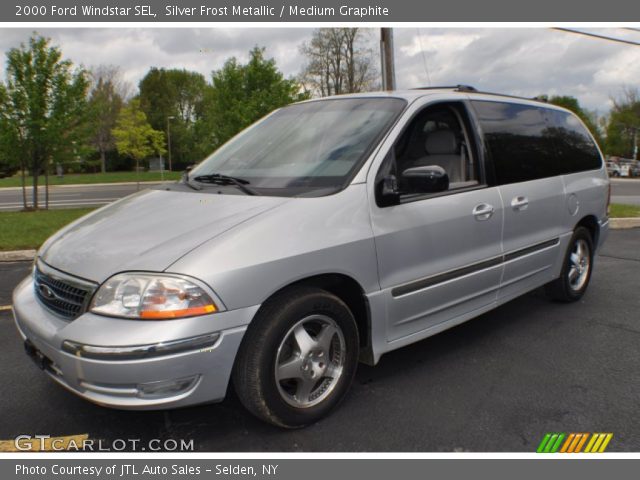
{"x":41,"y":360}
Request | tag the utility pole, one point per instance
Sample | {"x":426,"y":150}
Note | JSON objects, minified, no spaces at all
{"x":386,"y":56}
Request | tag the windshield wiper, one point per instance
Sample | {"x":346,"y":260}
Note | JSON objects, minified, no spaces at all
{"x":220,"y":179}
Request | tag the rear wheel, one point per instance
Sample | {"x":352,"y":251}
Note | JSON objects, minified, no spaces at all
{"x":576,"y":270}
{"x":298,"y":357}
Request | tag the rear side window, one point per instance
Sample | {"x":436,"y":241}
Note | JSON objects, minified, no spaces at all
{"x":575,"y":148}
{"x":518,"y":141}
{"x":527,"y":142}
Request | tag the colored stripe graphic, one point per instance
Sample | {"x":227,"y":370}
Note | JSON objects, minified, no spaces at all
{"x":550,"y":443}
{"x":556,"y":445}
{"x":567,"y":443}
{"x":598,"y":442}
{"x":590,"y":444}
{"x":574,"y":442}
{"x":543,"y":443}
{"x":581,"y":443}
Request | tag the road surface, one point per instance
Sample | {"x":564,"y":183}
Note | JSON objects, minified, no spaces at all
{"x":625,"y":191}
{"x":70,"y":196}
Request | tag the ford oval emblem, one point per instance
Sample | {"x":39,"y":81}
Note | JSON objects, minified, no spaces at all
{"x":46,"y":292}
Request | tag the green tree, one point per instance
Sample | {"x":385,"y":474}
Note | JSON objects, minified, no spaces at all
{"x":134,"y":136}
{"x":105,"y":102}
{"x":240,"y":94}
{"x":8,"y":162}
{"x":623,"y":126}
{"x":172,"y":99}
{"x":43,"y":109}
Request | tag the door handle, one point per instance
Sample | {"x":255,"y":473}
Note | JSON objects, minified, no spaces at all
{"x":520,"y":203}
{"x":483,"y":211}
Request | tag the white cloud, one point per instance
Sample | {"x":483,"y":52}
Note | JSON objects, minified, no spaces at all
{"x":519,"y":61}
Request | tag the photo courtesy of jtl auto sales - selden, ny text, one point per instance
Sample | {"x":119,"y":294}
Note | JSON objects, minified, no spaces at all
{"x":292,"y":239}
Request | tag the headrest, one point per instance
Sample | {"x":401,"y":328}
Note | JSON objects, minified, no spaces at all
{"x":441,"y":142}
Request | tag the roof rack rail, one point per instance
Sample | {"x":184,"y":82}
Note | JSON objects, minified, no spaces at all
{"x":458,"y":88}
{"x":470,"y":89}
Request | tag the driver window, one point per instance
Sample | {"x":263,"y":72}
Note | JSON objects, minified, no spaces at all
{"x":437,"y":136}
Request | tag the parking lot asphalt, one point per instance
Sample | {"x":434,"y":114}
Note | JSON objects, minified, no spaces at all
{"x":625,"y":190}
{"x":496,"y":383}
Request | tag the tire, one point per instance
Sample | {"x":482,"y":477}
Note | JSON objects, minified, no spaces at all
{"x":574,"y":278}
{"x":298,"y":357}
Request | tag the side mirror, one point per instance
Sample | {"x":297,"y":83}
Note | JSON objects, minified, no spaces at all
{"x":387,"y":191}
{"x":428,"y":179}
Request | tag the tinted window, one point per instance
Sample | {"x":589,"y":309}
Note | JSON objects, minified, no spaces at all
{"x":518,"y":141}
{"x":576,"y":150}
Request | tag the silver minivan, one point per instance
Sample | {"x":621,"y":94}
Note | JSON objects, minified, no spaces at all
{"x":328,"y":233}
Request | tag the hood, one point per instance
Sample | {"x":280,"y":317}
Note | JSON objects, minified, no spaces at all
{"x":148,"y":231}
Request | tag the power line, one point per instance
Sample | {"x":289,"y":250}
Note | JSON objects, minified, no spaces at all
{"x":424,"y":58}
{"x":595,"y":35}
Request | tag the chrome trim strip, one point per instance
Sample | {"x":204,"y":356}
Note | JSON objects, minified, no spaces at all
{"x":119,"y":391}
{"x":469,"y":269}
{"x":135,"y":352}
{"x":52,"y":272}
{"x":445,"y":277}
{"x":533,"y":248}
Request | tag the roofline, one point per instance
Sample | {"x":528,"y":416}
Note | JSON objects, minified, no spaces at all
{"x":410,"y":94}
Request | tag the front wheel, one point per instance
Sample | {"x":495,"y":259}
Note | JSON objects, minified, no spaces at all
{"x":576,"y":270}
{"x":298,"y":357}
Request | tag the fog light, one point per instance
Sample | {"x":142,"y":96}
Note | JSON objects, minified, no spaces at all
{"x":167,"y":388}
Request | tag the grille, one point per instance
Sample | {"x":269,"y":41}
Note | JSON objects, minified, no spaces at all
{"x":60,"y":296}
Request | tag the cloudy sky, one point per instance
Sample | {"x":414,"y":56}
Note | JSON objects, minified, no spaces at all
{"x":519,"y":61}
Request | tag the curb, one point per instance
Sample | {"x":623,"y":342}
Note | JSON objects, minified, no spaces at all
{"x":624,"y":223}
{"x":17,"y":256}
{"x":78,"y":185}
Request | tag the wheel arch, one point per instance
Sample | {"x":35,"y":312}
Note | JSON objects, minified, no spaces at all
{"x":350,"y":291}
{"x":590,"y":222}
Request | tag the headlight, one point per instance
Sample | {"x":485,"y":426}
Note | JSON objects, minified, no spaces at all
{"x":151,"y":297}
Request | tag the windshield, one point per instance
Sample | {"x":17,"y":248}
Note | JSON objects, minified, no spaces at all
{"x":305,"y":149}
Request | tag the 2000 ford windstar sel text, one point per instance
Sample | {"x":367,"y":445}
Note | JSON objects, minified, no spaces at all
{"x":331,"y":231}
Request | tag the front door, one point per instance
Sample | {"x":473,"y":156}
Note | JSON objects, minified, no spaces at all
{"x":439,"y":254}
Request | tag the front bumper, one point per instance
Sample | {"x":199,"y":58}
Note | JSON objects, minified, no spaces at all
{"x":202,"y":374}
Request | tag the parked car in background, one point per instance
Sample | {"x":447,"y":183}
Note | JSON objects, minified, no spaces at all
{"x":613,"y":169}
{"x":332,"y":231}
{"x":625,"y":170}
{"x":7,"y":170}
